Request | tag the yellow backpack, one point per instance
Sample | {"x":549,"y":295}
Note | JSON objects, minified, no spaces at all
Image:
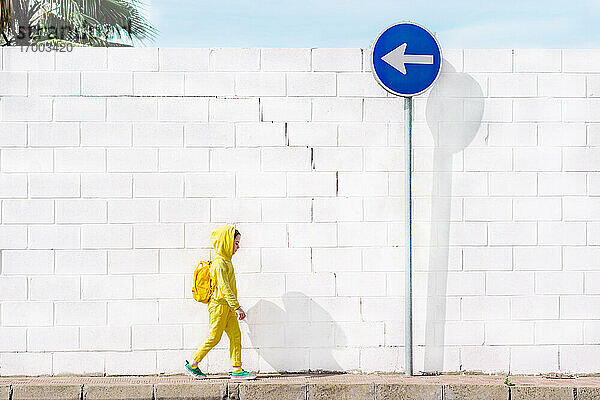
{"x":202,"y":285}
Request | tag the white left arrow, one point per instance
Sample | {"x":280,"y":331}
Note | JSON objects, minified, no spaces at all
{"x":396,"y":58}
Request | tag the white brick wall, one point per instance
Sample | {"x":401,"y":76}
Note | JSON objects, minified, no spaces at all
{"x":115,"y":165}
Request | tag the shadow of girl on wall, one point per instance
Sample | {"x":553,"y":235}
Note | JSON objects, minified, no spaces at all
{"x":301,"y":336}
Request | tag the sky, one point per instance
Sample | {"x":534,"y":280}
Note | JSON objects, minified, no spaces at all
{"x":356,"y":23}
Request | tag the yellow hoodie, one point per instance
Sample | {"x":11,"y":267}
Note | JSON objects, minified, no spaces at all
{"x":221,"y":269}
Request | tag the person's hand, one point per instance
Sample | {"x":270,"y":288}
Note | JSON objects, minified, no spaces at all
{"x":240,"y":313}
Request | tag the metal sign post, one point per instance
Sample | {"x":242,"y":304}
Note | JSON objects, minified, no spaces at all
{"x":408,"y":357}
{"x":407,"y":75}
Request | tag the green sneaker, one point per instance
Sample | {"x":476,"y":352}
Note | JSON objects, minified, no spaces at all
{"x":194,"y":372}
{"x":242,"y":375}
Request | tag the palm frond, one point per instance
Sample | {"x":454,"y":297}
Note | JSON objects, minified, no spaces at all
{"x":120,"y":18}
{"x":88,"y":22}
{"x":5,"y":14}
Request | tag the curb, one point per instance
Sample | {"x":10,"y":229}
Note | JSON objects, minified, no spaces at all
{"x":46,"y":392}
{"x":181,"y":391}
{"x":117,"y":392}
{"x":292,"y":391}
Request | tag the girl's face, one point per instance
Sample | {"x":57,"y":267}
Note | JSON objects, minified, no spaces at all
{"x":236,"y":243}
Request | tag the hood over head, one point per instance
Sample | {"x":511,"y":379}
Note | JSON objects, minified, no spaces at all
{"x":222,"y":240}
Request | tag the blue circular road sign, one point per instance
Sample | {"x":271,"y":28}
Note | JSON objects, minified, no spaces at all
{"x":406,"y":59}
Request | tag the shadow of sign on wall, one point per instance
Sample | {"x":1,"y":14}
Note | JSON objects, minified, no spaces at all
{"x":454,"y":112}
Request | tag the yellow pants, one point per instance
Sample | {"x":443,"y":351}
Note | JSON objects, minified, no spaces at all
{"x":222,"y":318}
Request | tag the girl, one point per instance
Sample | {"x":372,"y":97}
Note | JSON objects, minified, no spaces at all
{"x":223,"y":306}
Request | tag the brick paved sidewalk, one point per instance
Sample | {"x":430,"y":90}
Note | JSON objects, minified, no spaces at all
{"x":302,"y":387}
